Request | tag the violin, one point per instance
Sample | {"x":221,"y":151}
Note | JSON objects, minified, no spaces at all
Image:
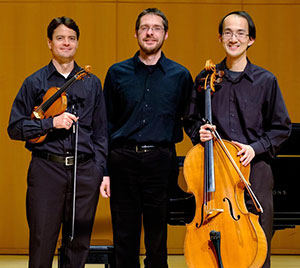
{"x":223,"y":234}
{"x":55,"y":101}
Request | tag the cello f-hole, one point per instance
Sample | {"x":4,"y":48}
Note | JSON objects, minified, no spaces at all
{"x":231,"y":209}
{"x":197,"y":224}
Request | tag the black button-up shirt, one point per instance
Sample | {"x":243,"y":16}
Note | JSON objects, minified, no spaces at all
{"x":146,"y":105}
{"x":85,"y":98}
{"x":249,"y":109}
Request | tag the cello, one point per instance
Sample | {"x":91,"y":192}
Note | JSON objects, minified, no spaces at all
{"x":55,"y":101}
{"x":223,"y":234}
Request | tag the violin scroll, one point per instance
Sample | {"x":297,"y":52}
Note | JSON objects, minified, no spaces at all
{"x":83,"y":72}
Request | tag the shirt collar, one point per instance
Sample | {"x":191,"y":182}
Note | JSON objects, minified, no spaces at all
{"x":52,"y":70}
{"x":248,"y":71}
{"x":161,"y":63}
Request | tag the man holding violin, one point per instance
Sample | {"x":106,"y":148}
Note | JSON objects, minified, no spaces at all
{"x":53,"y":168}
{"x":247,"y":109}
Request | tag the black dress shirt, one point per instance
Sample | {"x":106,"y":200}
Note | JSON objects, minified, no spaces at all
{"x":85,"y":98}
{"x":249,"y":109}
{"x":146,"y":105}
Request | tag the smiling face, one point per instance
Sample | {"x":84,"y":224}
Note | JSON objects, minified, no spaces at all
{"x":235,"y":37}
{"x":151,"y":34}
{"x":64,"y":44}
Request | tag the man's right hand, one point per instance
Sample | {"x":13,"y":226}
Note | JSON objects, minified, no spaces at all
{"x":64,"y":120}
{"x":206,"y":132}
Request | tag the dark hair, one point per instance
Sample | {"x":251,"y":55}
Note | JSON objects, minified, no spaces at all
{"x":62,"y":20}
{"x":244,"y":14}
{"x":154,"y":11}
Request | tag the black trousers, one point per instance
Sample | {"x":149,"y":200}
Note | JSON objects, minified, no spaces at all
{"x":262,"y":182}
{"x":49,"y":205}
{"x":139,"y":194}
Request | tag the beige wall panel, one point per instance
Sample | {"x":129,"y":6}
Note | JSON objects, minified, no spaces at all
{"x":271,"y":2}
{"x":254,"y":2}
{"x":276,"y":48}
{"x":21,"y":54}
{"x":215,"y":2}
{"x":23,"y":51}
{"x":190,"y":2}
{"x":286,"y":241}
{"x":54,"y":2}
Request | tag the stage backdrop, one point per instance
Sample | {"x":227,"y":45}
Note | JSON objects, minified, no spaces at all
{"x":107,"y":36}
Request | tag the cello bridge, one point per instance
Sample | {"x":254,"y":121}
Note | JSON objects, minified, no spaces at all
{"x":215,"y":210}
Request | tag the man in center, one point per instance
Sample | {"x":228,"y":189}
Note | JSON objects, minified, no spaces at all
{"x":146,"y":97}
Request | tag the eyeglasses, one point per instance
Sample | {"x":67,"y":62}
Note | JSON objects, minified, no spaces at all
{"x":146,"y":28}
{"x":238,"y":35}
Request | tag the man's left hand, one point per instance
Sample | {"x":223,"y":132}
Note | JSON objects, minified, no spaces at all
{"x":246,"y":153}
{"x":105,"y":187}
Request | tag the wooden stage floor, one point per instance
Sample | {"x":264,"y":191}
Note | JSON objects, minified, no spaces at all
{"x":175,"y":261}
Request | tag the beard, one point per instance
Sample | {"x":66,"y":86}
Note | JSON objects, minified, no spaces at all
{"x":151,"y":50}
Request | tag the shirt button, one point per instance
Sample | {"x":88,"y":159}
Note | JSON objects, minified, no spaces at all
{"x":148,"y":89}
{"x":146,"y":105}
{"x":232,"y":130}
{"x":144,"y":121}
{"x":232,"y":115}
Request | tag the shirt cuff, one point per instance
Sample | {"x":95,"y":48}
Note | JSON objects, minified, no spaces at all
{"x":47,"y":124}
{"x":258,"y":147}
{"x":105,"y":171}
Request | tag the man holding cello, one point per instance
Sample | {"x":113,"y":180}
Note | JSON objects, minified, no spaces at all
{"x":66,"y":168}
{"x":247,"y":109}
